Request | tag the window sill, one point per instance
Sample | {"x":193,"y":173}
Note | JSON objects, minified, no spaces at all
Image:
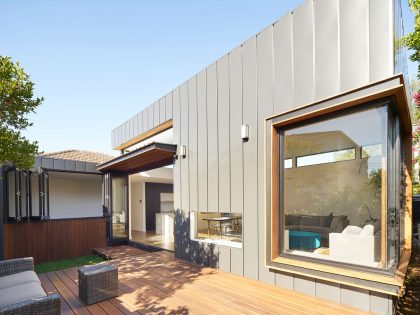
{"x":218,"y":242}
{"x":327,"y":273}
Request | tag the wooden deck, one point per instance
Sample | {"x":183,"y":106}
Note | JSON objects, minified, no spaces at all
{"x":157,"y":283}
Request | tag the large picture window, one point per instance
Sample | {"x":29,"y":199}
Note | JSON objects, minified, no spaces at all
{"x":335,"y":176}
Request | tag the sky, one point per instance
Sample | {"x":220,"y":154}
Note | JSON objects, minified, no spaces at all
{"x":99,"y":62}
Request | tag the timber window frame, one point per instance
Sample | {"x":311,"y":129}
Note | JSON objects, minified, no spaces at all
{"x":389,"y":90}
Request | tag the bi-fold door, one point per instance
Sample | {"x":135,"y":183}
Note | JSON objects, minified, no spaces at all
{"x":27,"y":195}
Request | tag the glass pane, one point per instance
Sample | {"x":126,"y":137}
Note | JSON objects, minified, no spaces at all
{"x":288,"y":163}
{"x":35,"y":194}
{"x":119,"y":207}
{"x":11,"y":193}
{"x":333,"y":198}
{"x":24,"y":194}
{"x":224,"y":228}
{"x":328,"y":157}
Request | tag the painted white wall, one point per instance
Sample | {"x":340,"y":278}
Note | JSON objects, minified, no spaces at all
{"x":138,"y":215}
{"x":75,"y":195}
{"x":137,"y":194}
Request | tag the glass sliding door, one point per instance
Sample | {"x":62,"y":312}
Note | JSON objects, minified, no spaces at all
{"x":119,"y":209}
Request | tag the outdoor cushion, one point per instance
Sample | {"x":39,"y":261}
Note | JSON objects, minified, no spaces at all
{"x":20,"y":293}
{"x":353,"y":230}
{"x":18,"y":278}
{"x":367,"y":230}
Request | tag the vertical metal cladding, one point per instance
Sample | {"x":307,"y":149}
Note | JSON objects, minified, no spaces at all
{"x":202,"y":142}
{"x":192,"y":143}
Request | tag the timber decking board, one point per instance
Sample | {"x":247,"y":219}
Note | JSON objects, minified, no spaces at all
{"x":157,"y":283}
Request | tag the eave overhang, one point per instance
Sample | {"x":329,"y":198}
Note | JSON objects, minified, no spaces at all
{"x":151,"y":156}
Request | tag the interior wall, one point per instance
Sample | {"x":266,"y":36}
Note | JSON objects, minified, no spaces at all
{"x":137,"y":212}
{"x":75,"y":195}
{"x":137,"y":194}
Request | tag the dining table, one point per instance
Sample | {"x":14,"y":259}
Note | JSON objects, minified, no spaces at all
{"x":221,"y":221}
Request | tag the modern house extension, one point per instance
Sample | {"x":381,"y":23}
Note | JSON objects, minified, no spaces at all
{"x":286,"y":161}
{"x":291,"y":156}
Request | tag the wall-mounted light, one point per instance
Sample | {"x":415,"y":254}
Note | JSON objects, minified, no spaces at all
{"x":245,"y":132}
{"x":182,"y":151}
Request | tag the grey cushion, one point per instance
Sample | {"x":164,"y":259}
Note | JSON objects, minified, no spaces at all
{"x":21,"y":292}
{"x":18,"y":278}
{"x":309,"y":220}
{"x":338,"y":223}
{"x":292,"y":219}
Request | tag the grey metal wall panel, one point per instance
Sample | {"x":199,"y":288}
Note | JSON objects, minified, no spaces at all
{"x":70,"y":165}
{"x":327,"y":290}
{"x":212,"y":146}
{"x":355,"y":297}
{"x":139,"y":123}
{"x":192,"y":141}
{"x":224,"y":258}
{"x":354,"y":53}
{"x":202,"y":139}
{"x":47,"y":162}
{"x":136,"y":125}
{"x":284,"y":280}
{"x":145,"y":125}
{"x":379,"y":303}
{"x":80,"y":166}
{"x":237,"y":261}
{"x":162,"y":110}
{"x":59,"y":164}
{"x":380,"y":39}
{"x":131,"y":128}
{"x":304,"y":285}
{"x":127,"y":131}
{"x":156,"y":113}
{"x":265,"y":82}
{"x":177,"y":141}
{"x":168,"y":106}
{"x":327,"y":74}
{"x":250,"y":218}
{"x":91,"y":167}
{"x":303,"y":55}
{"x":113,"y":142}
{"x":38,"y":162}
{"x":150,"y":120}
{"x":283,"y":64}
{"x":236,"y":165}
{"x":185,"y":195}
{"x":223,"y":113}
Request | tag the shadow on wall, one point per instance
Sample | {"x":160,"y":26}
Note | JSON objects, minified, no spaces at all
{"x":199,"y":253}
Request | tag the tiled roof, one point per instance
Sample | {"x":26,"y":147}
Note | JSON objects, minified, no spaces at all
{"x":79,"y":155}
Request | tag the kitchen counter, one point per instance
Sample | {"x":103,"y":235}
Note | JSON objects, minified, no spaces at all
{"x":165,"y":223}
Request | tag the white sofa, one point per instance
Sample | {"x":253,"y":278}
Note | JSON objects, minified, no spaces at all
{"x":354,"y":245}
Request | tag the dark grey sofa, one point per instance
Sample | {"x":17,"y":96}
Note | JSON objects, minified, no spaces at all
{"x":21,"y":291}
{"x":324,"y":225}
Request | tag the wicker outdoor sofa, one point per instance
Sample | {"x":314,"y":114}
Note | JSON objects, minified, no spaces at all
{"x":21,"y":291}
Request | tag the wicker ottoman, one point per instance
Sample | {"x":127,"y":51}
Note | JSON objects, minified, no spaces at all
{"x":98,"y":283}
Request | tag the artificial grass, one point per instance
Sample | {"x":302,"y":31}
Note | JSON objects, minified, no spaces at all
{"x":67,"y":263}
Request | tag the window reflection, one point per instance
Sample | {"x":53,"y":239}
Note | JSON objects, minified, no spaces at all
{"x":333,"y":198}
